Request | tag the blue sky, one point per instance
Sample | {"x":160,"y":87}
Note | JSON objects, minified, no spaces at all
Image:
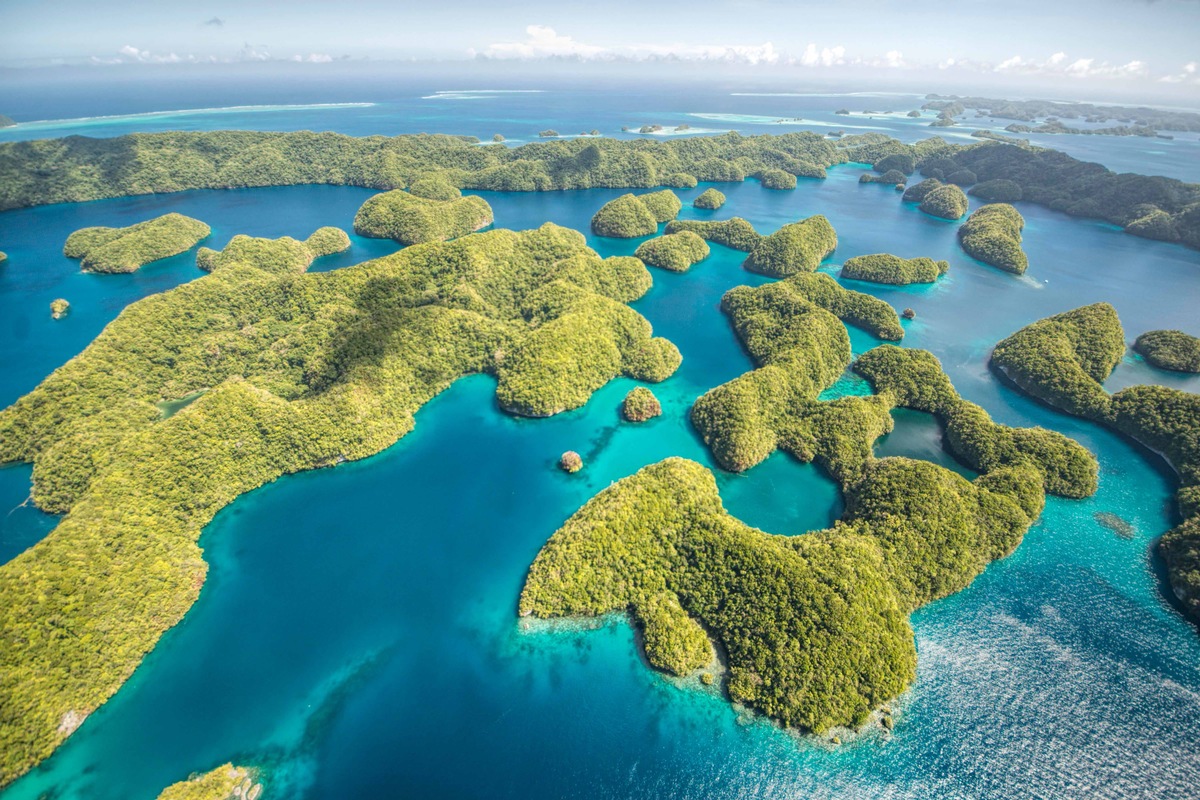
{"x":1127,"y":42}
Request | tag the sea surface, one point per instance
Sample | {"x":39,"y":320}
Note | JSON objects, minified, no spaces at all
{"x":357,"y":636}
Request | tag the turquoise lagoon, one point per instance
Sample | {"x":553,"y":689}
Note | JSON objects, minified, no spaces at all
{"x":357,"y":636}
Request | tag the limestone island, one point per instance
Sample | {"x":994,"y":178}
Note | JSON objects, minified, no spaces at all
{"x":59,"y":308}
{"x":411,"y":219}
{"x":274,"y":255}
{"x":796,"y":247}
{"x":640,"y":405}
{"x":992,"y":234}
{"x":892,"y":270}
{"x":814,"y":628}
{"x":1061,"y":360}
{"x":710,"y":199}
{"x":226,"y":782}
{"x":1174,"y":350}
{"x":302,"y":370}
{"x":735,"y":233}
{"x":776,"y":179}
{"x":676,"y":252}
{"x":570,"y":462}
{"x":128,"y":249}
{"x":938,"y":199}
{"x":630,"y":216}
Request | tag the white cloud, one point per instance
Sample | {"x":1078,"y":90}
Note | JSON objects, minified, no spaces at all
{"x":824,"y":57}
{"x":544,"y":42}
{"x":314,"y":58}
{"x":1189,"y":74}
{"x":129,"y":53}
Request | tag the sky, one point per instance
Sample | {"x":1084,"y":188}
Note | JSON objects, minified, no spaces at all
{"x":1096,"y":44}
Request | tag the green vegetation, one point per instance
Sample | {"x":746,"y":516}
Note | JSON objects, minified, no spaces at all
{"x":630,"y":216}
{"x":1062,"y":359}
{"x":709,"y":199}
{"x":736,"y":233}
{"x":640,"y":405}
{"x":997,"y":190}
{"x":6,"y":122}
{"x":962,"y":177}
{"x":277,"y":256}
{"x":570,"y":462}
{"x":992,"y":234}
{"x":792,"y":331}
{"x":776,"y":179}
{"x":796,"y":247}
{"x":226,"y":782}
{"x":410,"y":219}
{"x":893,"y":177}
{"x":301,"y":370}
{"x":435,"y":187}
{"x":893,"y":270}
{"x":1170,"y":350}
{"x":127,"y":249}
{"x":680,"y":180}
{"x":814,"y":626}
{"x":904,"y":163}
{"x":674,"y":251}
{"x":59,"y":308}
{"x":549,"y":133}
{"x":947,"y":201}
{"x":919,"y":191}
{"x":1031,"y":110}
{"x":77,"y":169}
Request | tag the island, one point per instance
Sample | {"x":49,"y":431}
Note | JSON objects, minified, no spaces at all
{"x":640,"y":405}
{"x":630,"y":216}
{"x":3,"y":256}
{"x":796,"y":247}
{"x":676,"y":252}
{"x":115,"y":250}
{"x":710,"y":199}
{"x":892,"y":270}
{"x":814,"y":628}
{"x":226,"y":782}
{"x":274,"y":255}
{"x":1061,"y":360}
{"x":735,"y":233}
{"x":299,"y":370}
{"x":776,"y":179}
{"x":77,"y":169}
{"x":410,"y":219}
{"x":6,"y":122}
{"x":59,"y":308}
{"x":938,"y":199}
{"x":893,"y":177}
{"x":1173,"y":350}
{"x":1145,"y":121}
{"x":992,"y":234}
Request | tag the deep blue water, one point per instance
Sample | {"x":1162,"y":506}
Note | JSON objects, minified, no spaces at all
{"x":357,"y":635}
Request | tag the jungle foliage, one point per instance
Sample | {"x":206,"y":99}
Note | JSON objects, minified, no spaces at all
{"x":412,"y":219}
{"x":893,"y":270}
{"x":674,"y":251}
{"x":796,"y":247}
{"x":127,"y":249}
{"x":1173,"y":350}
{"x":992,"y":234}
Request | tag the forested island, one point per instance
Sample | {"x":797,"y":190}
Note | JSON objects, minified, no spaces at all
{"x":1174,"y":350}
{"x":1129,"y":118}
{"x":630,"y":216}
{"x":411,"y":218}
{"x":660,"y":545}
{"x":226,"y":782}
{"x":77,"y":168}
{"x":290,"y":371}
{"x":676,"y":252}
{"x":992,"y":234}
{"x":796,"y":247}
{"x":1062,"y":361}
{"x":892,"y":270}
{"x":710,"y":199}
{"x":128,"y":249}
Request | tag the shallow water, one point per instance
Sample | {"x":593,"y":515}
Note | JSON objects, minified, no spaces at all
{"x":358,"y":635}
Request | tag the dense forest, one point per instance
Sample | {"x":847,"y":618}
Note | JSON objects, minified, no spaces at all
{"x":992,"y":234}
{"x":128,"y":249}
{"x":284,"y":370}
{"x":1174,"y":350}
{"x":78,"y":168}
{"x":893,"y":270}
{"x":676,"y":252}
{"x":1062,"y":360}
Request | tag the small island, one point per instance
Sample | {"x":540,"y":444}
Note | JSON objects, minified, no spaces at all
{"x":410,"y":219}
{"x":946,"y":201}
{"x":59,"y":308}
{"x":735,"y":233}
{"x":710,"y":199}
{"x":676,"y":252}
{"x":893,"y":177}
{"x":630,"y":216}
{"x":640,"y":405}
{"x":570,"y":462}
{"x":226,"y":782}
{"x":892,"y":270}
{"x":796,"y":247}
{"x":277,"y":256}
{"x":992,"y":234}
{"x":1173,"y":350}
{"x":116,"y":250}
{"x":776,"y":179}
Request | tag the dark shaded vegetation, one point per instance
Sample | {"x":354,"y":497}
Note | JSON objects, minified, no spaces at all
{"x":992,"y":234}
{"x":946,"y":201}
{"x":674,"y":251}
{"x":1173,"y":350}
{"x":776,"y":179}
{"x":796,"y":247}
{"x":997,"y":190}
{"x":893,"y":177}
{"x":893,"y":270}
{"x":630,"y":216}
{"x":291,"y":371}
{"x":130,"y":248}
